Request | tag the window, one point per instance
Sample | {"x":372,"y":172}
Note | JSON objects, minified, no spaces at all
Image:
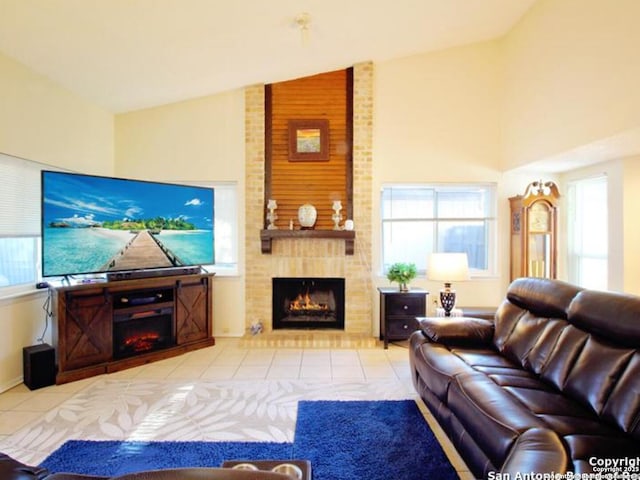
{"x":20,"y":250}
{"x":19,"y":222}
{"x":588,"y":232}
{"x":420,"y":219}
{"x":226,"y":228}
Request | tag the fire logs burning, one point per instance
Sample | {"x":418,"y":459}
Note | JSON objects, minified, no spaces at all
{"x":142,"y":342}
{"x":305,"y":305}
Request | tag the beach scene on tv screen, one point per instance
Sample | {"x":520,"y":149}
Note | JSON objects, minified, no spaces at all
{"x":98,"y":224}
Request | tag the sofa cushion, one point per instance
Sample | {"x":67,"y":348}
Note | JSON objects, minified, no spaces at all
{"x":437,"y":367}
{"x":565,"y":350}
{"x":613,"y":316}
{"x":529,"y":335}
{"x":458,"y":330}
{"x":542,"y":297}
{"x":493,"y":417}
{"x":623,"y":406}
{"x":584,"y":449}
{"x":595,"y":373}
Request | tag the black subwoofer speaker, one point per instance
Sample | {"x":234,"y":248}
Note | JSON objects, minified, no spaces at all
{"x":39,"y":366}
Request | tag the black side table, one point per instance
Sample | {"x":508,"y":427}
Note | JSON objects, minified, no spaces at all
{"x":398,"y":312}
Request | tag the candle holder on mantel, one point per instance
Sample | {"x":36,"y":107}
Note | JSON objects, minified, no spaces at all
{"x":336,"y":217}
{"x":271,"y":216}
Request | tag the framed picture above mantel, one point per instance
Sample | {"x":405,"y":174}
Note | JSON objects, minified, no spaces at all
{"x":308,"y":140}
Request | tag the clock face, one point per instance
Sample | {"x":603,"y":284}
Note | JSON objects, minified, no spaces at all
{"x":539,"y":218}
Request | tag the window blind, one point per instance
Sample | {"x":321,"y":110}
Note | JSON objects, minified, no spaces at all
{"x":19,"y":196}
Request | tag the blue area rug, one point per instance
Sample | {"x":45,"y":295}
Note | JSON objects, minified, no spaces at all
{"x":343,"y":440}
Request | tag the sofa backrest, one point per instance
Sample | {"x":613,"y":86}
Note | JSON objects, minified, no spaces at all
{"x":611,"y":355}
{"x":585,"y":343}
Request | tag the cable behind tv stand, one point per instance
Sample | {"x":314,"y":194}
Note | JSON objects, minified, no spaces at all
{"x":85,"y":317}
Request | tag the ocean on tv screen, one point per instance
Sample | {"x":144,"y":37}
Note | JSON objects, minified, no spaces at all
{"x":97,"y":224}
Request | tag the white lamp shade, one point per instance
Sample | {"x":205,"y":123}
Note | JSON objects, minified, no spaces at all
{"x":448,"y":267}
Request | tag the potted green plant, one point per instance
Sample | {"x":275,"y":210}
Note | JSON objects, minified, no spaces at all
{"x":402,"y":273}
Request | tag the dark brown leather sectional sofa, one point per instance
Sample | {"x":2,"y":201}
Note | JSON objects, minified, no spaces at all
{"x":551,"y":385}
{"x":11,"y":469}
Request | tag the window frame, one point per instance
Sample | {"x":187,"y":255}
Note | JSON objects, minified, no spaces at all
{"x":576,"y":230}
{"x":490,"y":220}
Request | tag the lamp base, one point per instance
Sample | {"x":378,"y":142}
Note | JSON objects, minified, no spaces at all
{"x":448,"y":300}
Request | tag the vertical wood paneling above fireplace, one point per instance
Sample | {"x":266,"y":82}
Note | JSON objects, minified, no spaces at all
{"x":327,"y":96}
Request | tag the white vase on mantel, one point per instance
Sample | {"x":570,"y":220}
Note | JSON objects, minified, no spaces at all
{"x":307,"y":215}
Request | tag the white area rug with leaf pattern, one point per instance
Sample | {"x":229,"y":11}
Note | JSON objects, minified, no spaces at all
{"x":156,"y":410}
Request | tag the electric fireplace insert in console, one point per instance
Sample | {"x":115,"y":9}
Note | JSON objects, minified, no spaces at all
{"x":142,"y":322}
{"x":305,"y":303}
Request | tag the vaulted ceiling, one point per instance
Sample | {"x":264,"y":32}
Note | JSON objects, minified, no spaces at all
{"x":130,"y":54}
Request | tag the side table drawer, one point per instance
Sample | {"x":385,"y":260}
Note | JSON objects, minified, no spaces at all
{"x":401,"y":327}
{"x":405,"y":305}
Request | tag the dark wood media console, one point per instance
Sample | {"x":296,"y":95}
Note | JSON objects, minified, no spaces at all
{"x":85,"y":317}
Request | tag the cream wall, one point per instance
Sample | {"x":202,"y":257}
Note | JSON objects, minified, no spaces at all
{"x":631,"y":227}
{"x":195,"y":140}
{"x":437,"y":118}
{"x":41,"y":121}
{"x":571,"y":76}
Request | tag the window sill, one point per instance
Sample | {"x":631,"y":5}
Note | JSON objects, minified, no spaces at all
{"x":20,"y":293}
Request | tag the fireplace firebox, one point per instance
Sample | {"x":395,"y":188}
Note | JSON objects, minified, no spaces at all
{"x":305,"y":303}
{"x":142,"y":322}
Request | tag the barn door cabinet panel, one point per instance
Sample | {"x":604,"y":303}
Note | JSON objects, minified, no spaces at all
{"x":193,"y":307}
{"x":84,"y":328}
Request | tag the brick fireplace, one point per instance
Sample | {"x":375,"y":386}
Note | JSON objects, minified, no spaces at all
{"x":311,"y":257}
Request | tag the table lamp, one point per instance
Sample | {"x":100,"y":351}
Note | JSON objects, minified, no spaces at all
{"x":448,"y":268}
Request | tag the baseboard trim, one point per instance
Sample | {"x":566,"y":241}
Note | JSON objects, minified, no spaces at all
{"x":8,"y":385}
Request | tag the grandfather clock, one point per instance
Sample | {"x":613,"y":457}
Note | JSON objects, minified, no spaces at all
{"x":534,"y":226}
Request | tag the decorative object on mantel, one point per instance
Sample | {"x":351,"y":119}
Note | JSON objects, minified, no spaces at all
{"x":308,"y":140}
{"x":402,"y":273}
{"x":348,"y":225}
{"x":271,"y":216}
{"x":307,"y":215}
{"x":447,"y":268}
{"x":336,"y":217}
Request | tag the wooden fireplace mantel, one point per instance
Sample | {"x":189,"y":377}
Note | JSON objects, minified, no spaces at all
{"x":267,"y":236}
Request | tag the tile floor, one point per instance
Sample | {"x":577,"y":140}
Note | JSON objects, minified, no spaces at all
{"x":166,"y":400}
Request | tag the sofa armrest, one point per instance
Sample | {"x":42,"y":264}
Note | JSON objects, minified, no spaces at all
{"x":466,"y":331}
{"x":537,"y":450}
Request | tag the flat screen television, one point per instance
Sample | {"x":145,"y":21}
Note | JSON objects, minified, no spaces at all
{"x":93,"y":224}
